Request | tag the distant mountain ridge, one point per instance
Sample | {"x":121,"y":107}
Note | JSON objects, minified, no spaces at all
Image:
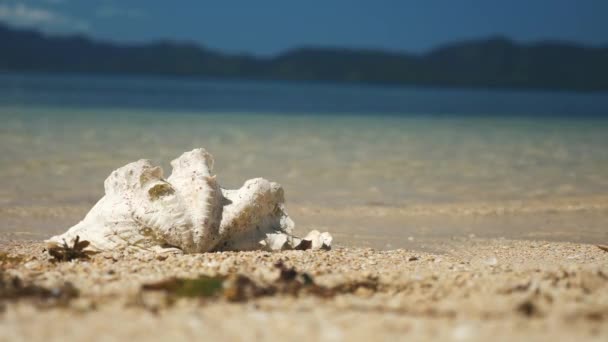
{"x":491,"y":63}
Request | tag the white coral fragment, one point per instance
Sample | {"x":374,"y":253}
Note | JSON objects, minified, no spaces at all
{"x":319,"y":240}
{"x":189,"y":211}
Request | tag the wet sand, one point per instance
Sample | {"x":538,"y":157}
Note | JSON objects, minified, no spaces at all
{"x":381,"y":225}
{"x":477,"y":289}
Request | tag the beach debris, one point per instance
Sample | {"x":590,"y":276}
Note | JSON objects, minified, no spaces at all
{"x":528,"y":308}
{"x":314,"y":240}
{"x":203,"y":286}
{"x":491,"y":261}
{"x":14,"y":288}
{"x":304,"y":245}
{"x":523,"y":286}
{"x":188,"y":210}
{"x":603,"y":247}
{"x":9,"y":260}
{"x":65,"y":252}
{"x":317,"y":240}
{"x":240,"y":288}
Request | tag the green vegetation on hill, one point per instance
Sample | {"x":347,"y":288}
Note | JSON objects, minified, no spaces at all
{"x":490,"y":63}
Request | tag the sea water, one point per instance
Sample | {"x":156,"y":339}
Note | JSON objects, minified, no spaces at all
{"x":379,"y":166}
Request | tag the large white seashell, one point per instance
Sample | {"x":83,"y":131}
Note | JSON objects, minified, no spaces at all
{"x":192,"y":180}
{"x":251,"y":213}
{"x":189,"y":211}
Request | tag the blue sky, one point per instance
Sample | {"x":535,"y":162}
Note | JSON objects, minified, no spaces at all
{"x":266,"y":27}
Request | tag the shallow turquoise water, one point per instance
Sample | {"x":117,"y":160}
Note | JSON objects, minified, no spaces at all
{"x":51,"y":154}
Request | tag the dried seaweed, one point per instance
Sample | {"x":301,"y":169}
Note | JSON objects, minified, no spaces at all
{"x":65,"y":252}
{"x":240,"y":288}
{"x":528,"y":308}
{"x":203,"y":286}
{"x":294,"y":283}
{"x":14,"y":288}
{"x":603,"y":247}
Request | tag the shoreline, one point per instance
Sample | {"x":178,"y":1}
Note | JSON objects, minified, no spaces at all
{"x":423,"y":227}
{"x":476,"y":290}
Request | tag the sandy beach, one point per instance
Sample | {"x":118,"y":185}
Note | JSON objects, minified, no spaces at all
{"x":477,"y":289}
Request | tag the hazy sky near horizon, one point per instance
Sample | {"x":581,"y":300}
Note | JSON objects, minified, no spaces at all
{"x":269,"y":26}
